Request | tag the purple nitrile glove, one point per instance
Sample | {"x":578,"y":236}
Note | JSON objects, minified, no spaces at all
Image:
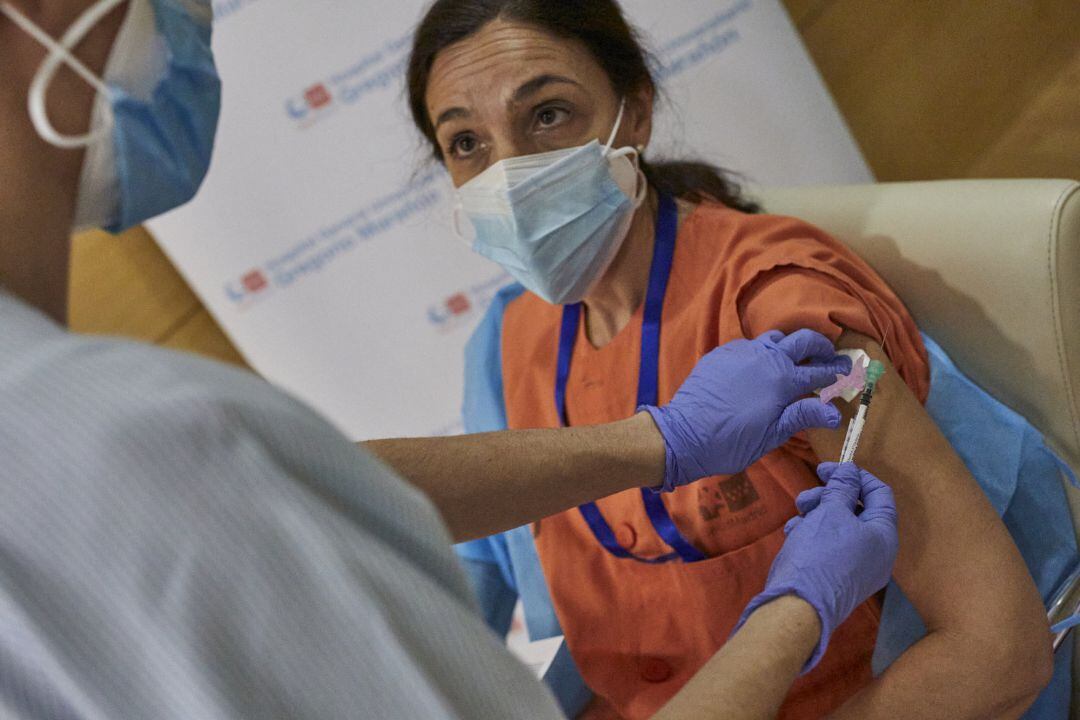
{"x":833,"y":558}
{"x":742,"y":401}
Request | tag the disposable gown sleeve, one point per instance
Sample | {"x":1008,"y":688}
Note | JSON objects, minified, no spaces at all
{"x":487,"y":561}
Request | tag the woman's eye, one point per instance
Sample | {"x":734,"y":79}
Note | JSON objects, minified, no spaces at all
{"x":549,"y":117}
{"x":463,"y":146}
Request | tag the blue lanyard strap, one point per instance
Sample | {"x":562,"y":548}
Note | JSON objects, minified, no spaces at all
{"x":648,"y":391}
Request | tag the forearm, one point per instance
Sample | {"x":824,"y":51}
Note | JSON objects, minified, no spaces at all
{"x":487,"y":483}
{"x":938,"y":677}
{"x":751,"y":675}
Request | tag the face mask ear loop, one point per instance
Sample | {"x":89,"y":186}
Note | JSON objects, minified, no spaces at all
{"x":455,"y":223}
{"x":60,"y":54}
{"x":643,"y":182}
{"x":615,"y":130}
{"x":643,"y":188}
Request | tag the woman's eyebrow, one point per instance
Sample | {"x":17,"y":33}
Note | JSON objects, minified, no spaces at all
{"x":453,"y":113}
{"x":528,"y":88}
{"x":537,"y":83}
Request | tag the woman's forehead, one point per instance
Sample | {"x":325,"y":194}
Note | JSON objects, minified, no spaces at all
{"x":499,"y":58}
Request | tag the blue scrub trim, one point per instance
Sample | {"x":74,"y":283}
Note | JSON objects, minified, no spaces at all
{"x":484,"y":409}
{"x":504,"y":567}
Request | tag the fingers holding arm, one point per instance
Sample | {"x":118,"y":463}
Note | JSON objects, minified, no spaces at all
{"x":814,"y":361}
{"x":806,"y":414}
{"x":878,"y":501}
{"x":807,"y":345}
{"x":854,"y":480}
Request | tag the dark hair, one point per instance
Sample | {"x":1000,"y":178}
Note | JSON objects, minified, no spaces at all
{"x":615,"y":45}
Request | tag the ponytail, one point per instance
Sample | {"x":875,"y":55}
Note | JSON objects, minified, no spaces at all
{"x":697,"y":182}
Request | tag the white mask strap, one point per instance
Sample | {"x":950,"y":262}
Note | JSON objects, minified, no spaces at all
{"x":643,"y":188}
{"x":60,"y":54}
{"x":456,"y":224}
{"x":615,"y":130}
{"x":643,"y":182}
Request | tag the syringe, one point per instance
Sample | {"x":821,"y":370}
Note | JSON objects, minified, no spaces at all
{"x":855,"y":427}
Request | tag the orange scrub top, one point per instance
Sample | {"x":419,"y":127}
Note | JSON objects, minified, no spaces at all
{"x":638,"y":632}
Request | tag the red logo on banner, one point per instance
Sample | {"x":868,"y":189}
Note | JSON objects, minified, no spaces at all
{"x":254,"y":281}
{"x":458,"y":304}
{"x":317,"y":96}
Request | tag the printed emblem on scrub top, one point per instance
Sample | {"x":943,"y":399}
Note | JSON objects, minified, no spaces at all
{"x":739,"y":492}
{"x":735,"y":493}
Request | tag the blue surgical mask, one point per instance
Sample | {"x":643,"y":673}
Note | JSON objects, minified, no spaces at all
{"x":155,"y":118}
{"x":555,"y":221}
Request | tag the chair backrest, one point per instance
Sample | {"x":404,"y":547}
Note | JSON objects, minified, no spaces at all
{"x":989,"y":268}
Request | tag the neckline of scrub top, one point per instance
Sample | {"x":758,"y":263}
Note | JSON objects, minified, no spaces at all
{"x":667,"y":220}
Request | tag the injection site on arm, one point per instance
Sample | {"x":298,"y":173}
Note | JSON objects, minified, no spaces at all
{"x":863,"y":378}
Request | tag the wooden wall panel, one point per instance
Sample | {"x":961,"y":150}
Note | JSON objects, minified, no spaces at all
{"x":201,"y":334}
{"x":804,"y":12}
{"x":124,"y":285}
{"x":930,"y":89}
{"x":1046,"y":135}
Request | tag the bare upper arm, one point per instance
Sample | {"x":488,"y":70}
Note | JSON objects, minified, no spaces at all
{"x":957,"y":563}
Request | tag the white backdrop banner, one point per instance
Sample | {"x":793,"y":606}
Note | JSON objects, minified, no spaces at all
{"x":321,"y":240}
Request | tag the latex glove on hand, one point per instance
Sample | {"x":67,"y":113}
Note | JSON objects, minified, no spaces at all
{"x":742,"y":401}
{"x":835,"y":558}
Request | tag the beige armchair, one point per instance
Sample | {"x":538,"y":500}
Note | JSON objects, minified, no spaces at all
{"x":991,"y":270}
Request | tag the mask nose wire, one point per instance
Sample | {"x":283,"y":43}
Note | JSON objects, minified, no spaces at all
{"x":60,"y":54}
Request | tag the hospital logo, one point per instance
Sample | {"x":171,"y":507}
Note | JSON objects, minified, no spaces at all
{"x":317,"y":96}
{"x":453,"y":308}
{"x":458,"y":304}
{"x":250,"y":287}
{"x":462,"y":307}
{"x":254,"y":281}
{"x":310,"y":105}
